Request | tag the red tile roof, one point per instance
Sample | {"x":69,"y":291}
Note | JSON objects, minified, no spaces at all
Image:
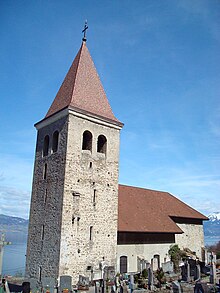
{"x":145,"y":210}
{"x":82,"y":90}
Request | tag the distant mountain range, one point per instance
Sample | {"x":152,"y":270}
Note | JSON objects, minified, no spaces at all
{"x":16,"y":229}
{"x":212,"y":227}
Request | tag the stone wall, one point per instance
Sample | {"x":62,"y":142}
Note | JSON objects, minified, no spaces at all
{"x":43,"y":247}
{"x":192,"y":238}
{"x":142,"y":251}
{"x":74,"y":208}
{"x":87,"y":172}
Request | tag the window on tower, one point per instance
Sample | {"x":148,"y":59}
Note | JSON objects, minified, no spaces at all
{"x":90,"y":232}
{"x":46,"y":145}
{"x":102,"y":144}
{"x":94,"y":197}
{"x":45,"y":171}
{"x":55,"y":141}
{"x":87,"y":140}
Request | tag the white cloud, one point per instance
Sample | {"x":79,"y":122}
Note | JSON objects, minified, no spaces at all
{"x":14,"y":202}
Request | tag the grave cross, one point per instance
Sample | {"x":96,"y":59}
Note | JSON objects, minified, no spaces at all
{"x":2,"y":244}
{"x":84,"y":31}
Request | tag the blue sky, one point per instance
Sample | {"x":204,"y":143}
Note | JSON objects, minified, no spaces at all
{"x":159,"y":64}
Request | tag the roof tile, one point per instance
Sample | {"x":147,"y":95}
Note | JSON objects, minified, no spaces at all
{"x":145,"y":210}
{"x":82,"y":89}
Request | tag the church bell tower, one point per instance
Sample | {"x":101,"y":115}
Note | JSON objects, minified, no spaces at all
{"x":74,"y":203}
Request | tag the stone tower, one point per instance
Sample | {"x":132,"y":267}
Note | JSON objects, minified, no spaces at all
{"x":74,"y":204}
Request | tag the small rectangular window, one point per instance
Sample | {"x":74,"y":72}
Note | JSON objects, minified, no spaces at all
{"x":40,"y":273}
{"x":94,"y":196}
{"x":45,"y":171}
{"x":42,"y":232}
{"x":90,"y":232}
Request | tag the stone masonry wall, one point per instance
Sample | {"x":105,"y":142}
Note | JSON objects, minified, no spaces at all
{"x":43,"y":248}
{"x":85,"y":172}
{"x":192,"y":238}
{"x":143,"y":251}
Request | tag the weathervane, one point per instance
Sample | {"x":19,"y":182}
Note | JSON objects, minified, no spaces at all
{"x":84,"y":31}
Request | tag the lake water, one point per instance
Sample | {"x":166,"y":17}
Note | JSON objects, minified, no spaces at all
{"x":14,"y":259}
{"x":14,"y":256}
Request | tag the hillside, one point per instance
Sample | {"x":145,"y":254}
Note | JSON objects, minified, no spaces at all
{"x":14,"y":228}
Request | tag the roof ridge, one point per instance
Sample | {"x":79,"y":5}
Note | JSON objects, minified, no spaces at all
{"x":144,"y":188}
{"x":77,"y":69}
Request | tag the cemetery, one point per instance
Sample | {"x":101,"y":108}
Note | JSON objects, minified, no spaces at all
{"x":184,"y":273}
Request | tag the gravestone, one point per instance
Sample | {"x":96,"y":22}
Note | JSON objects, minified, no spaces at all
{"x":150,"y":278}
{"x":197,"y":275}
{"x":167,"y":267}
{"x":176,"y":287}
{"x":131,"y":283}
{"x":188,"y":279}
{"x":65,"y":283}
{"x":213,"y":273}
{"x":109,"y":273}
{"x":192,"y":263}
{"x":201,"y":287}
{"x":154,"y":262}
{"x":49,"y":284}
{"x":26,"y":287}
{"x":83,"y":282}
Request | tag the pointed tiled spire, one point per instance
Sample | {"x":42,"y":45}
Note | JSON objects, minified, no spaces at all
{"x":82,"y":90}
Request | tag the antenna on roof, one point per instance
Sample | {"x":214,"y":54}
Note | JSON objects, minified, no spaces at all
{"x":84,"y":31}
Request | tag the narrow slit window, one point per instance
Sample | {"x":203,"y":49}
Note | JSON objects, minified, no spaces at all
{"x":94,"y":196}
{"x":90,"y":232}
{"x":46,"y":145}
{"x":55,"y":141}
{"x":87,"y":140}
{"x":42,"y":232}
{"x":45,"y":171}
{"x":73,"y":220}
{"x":102,"y":144}
{"x":40,"y":273}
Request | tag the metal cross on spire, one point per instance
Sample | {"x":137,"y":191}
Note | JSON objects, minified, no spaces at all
{"x":84,"y":31}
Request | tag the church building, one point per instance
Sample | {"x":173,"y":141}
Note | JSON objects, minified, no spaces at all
{"x":80,"y":217}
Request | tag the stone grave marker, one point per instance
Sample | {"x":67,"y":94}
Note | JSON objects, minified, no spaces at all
{"x":49,"y":284}
{"x":154,"y":262}
{"x":109,"y":273}
{"x":188,"y":272}
{"x":176,"y":287}
{"x":150,"y":278}
{"x":197,"y":275}
{"x":213,"y":273}
{"x":65,"y":283}
{"x":201,"y":287}
{"x":26,"y":287}
{"x":83,"y":282}
{"x":192,"y":264}
{"x":131,"y":283}
{"x":167,"y":267}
